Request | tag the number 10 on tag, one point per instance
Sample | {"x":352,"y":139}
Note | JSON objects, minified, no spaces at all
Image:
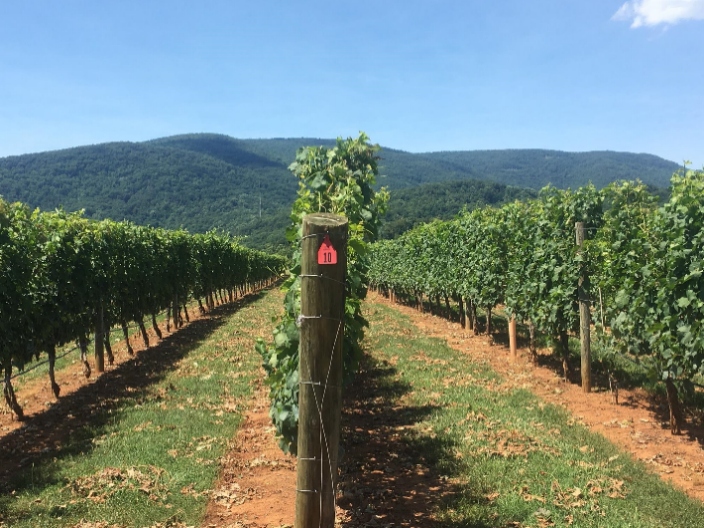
{"x":327,"y":254}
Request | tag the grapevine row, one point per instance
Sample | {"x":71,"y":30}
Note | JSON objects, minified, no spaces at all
{"x":63,"y":277}
{"x":645,"y":259}
{"x":339,"y":180}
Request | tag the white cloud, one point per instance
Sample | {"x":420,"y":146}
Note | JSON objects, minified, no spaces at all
{"x":654,"y":12}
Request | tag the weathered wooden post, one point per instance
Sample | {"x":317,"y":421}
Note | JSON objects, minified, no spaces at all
{"x":323,"y":267}
{"x":584,"y":315}
{"x":99,"y":340}
{"x":512,"y":337}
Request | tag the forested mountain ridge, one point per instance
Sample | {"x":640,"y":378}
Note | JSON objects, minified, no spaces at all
{"x":204,"y":181}
{"x":536,"y":168}
{"x":156,"y":185}
{"x":443,"y":200}
{"x":533,"y":168}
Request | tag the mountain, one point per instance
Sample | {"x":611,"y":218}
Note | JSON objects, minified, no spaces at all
{"x":158,"y":184}
{"x":204,"y":181}
{"x":538,"y":168}
{"x":423,"y":203}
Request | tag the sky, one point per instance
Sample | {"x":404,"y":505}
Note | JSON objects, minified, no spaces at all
{"x":414,"y":75}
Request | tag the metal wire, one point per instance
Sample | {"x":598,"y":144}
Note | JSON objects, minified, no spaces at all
{"x":302,"y":318}
{"x":63,"y":355}
{"x":326,"y":233}
{"x":321,"y":276}
{"x":44,"y":362}
{"x":30,"y":369}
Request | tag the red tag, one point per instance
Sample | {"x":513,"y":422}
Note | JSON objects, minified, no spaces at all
{"x":327,"y":253}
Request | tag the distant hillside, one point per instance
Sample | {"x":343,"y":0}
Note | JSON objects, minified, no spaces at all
{"x":519,"y":167}
{"x":537,"y":168}
{"x":156,"y":184}
{"x":201,"y":181}
{"x":443,"y":200}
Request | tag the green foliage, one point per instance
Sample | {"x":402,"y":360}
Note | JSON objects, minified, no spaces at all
{"x":522,"y":254}
{"x":649,"y":265}
{"x":338,"y":180}
{"x":59,"y":269}
{"x":483,"y":252}
{"x":647,"y":261}
{"x":210,"y":181}
{"x":544,"y":267}
{"x":424,"y":203}
{"x":20,"y":284}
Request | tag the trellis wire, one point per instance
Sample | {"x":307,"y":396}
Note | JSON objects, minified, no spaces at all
{"x":63,"y":355}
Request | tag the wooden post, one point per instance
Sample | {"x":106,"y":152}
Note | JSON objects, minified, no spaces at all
{"x":512,"y":337}
{"x":584,"y":316}
{"x":320,"y":369}
{"x":99,"y":340}
{"x":175,"y":312}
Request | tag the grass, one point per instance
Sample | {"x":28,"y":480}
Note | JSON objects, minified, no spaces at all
{"x":605,"y":360}
{"x":141,"y":445}
{"x":511,"y":459}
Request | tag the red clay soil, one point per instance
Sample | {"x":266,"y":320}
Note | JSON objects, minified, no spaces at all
{"x":639,"y":423}
{"x":256,"y":488}
{"x":257,"y":485}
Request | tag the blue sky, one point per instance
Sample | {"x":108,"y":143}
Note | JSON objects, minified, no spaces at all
{"x":415,"y":75}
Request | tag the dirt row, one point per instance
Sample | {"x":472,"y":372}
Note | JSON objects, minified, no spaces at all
{"x":639,"y":423}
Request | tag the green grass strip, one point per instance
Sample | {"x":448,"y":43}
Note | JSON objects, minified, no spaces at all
{"x":149,"y":445}
{"x":511,"y":459}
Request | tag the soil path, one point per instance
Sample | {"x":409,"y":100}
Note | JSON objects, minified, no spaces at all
{"x":257,"y":484}
{"x":384,"y":480}
{"x":638,"y":424}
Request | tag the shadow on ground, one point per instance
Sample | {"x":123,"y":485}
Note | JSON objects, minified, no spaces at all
{"x":68,"y":426}
{"x":692,"y":400}
{"x":392,"y":472}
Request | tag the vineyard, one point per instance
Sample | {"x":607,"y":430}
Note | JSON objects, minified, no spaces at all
{"x":66,"y":279}
{"x":643,"y":262}
{"x":436,"y":429}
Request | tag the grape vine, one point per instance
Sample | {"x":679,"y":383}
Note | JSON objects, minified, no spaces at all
{"x":647,"y":262}
{"x":337,"y":180}
{"x":61,"y":274}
